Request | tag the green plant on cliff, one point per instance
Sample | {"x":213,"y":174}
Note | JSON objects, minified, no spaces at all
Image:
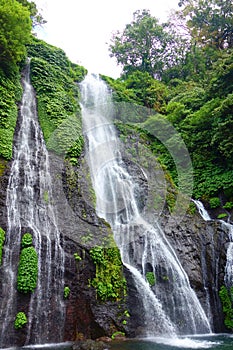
{"x":226,"y":297}
{"x":117,"y":334}
{"x":15,"y":33}
{"x":28,"y":266}
{"x":2,"y":239}
{"x":109,"y":281}
{"x":10,"y":94}
{"x":151,"y":278}
{"x":77,"y":257}
{"x":26,"y":240}
{"x":55,"y":79}
{"x":214,"y":202}
{"x":20,"y":320}
{"x":66,"y":292}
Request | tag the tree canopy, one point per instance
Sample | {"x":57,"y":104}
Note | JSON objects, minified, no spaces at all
{"x":210,"y":22}
{"x":192,"y":59}
{"x":144,"y":45}
{"x":15,"y":30}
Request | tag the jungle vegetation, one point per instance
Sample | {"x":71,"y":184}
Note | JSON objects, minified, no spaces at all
{"x":180,"y":71}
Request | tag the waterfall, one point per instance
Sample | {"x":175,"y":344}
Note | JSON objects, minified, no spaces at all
{"x":30,"y":210}
{"x":202,"y":211}
{"x":229,"y":263}
{"x":171,"y":306}
{"x":229,"y":228}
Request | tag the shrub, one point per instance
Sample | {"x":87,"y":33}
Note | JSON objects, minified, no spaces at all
{"x":26,"y":240}
{"x":214,"y":202}
{"x":20,"y":320}
{"x":222,"y":216}
{"x":66,"y":292}
{"x":228,"y":205}
{"x":109,"y":281}
{"x":151,"y":278}
{"x":27,"y":270}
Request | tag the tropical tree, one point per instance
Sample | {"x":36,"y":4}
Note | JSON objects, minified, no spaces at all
{"x":15,"y":31}
{"x":36,"y":17}
{"x":144,"y":45}
{"x":210,"y":21}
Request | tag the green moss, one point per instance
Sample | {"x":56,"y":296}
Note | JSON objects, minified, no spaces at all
{"x":109,"y":281}
{"x":20,"y":320}
{"x":192,"y":209}
{"x":3,"y":164}
{"x":2,"y":240}
{"x":222,"y":216}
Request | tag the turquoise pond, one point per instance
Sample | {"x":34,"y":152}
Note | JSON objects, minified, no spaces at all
{"x":213,"y":342}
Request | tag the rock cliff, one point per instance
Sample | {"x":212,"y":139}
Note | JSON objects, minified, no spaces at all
{"x":201,"y":247}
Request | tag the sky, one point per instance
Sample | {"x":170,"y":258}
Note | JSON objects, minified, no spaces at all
{"x":83,"y":28}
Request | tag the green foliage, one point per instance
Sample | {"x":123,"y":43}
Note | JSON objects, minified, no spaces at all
{"x":15,"y":31}
{"x":148,"y":91}
{"x":36,"y":17}
{"x":20,"y":320}
{"x":77,"y":257}
{"x":97,"y":255}
{"x":109,"y":282}
{"x":144,"y":45}
{"x":226,"y":297}
{"x":2,"y":240}
{"x":116,"y":334}
{"x":214,"y":202}
{"x":126,"y":314}
{"x":26,"y":240}
{"x":210,"y":22}
{"x":228,"y":205}
{"x":66,"y":292}
{"x":54,"y":78}
{"x":222,"y":216}
{"x":27,"y":270}
{"x":10,"y":93}
{"x":151,"y":278}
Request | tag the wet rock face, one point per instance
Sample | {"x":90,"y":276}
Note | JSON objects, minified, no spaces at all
{"x":201,"y":248}
{"x":86,"y":316}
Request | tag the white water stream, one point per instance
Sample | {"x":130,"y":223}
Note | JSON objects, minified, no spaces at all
{"x":170,"y":307}
{"x":30,"y":209}
{"x":229,"y":228}
{"x":201,"y":209}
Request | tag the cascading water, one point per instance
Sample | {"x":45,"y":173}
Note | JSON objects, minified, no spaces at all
{"x":229,"y":258}
{"x":229,"y":263}
{"x":170,"y":306}
{"x":202,"y":211}
{"x":30,"y":209}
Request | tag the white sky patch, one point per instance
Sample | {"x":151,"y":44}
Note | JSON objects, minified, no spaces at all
{"x":83,"y":28}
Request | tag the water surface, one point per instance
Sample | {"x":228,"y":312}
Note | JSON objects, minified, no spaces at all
{"x":213,"y":342}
